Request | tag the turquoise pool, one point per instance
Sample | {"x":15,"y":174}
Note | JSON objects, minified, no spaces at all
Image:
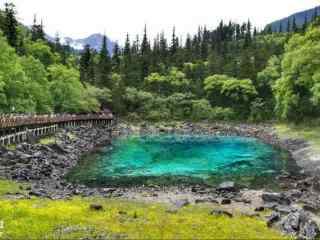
{"x":182,"y":159}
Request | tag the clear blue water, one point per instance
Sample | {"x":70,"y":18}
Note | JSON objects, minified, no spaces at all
{"x":182,"y":159}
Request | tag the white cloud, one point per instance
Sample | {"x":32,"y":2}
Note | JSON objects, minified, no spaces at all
{"x":79,"y":18}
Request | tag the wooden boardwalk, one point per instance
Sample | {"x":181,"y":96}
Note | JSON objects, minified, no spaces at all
{"x":21,"y":128}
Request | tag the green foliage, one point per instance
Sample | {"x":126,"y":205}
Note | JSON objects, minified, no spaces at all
{"x":297,"y":91}
{"x":69,"y":95}
{"x":225,"y":91}
{"x":201,"y":109}
{"x":15,"y":86}
{"x":223,"y":114}
{"x":174,"y":81}
{"x":41,"y":51}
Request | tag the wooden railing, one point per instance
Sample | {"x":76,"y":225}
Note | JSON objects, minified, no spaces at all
{"x":12,"y":121}
{"x":21,"y":128}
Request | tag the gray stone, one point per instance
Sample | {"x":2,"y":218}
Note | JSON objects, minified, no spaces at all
{"x":273,"y":218}
{"x":309,"y":230}
{"x":219,"y":212}
{"x":227,"y":186}
{"x":290,"y":224}
{"x":181,"y":203}
{"x":275,"y":197}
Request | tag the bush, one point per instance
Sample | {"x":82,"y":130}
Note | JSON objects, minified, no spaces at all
{"x":201,"y":110}
{"x":157,"y":116}
{"x":219,"y":113}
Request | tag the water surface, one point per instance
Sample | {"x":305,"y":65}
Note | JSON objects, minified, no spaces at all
{"x":183,"y":159}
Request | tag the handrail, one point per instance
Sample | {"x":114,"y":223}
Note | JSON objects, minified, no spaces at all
{"x":9,"y":121}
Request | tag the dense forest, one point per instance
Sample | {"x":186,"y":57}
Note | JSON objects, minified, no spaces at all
{"x":233,"y":72}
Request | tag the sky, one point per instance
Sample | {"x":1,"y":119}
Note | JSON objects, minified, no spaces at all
{"x":80,"y":18}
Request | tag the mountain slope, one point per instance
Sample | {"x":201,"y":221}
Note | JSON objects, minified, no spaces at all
{"x":300,"y":19}
{"x":94,"y":40}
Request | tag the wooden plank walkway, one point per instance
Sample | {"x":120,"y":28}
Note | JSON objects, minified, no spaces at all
{"x":21,"y":128}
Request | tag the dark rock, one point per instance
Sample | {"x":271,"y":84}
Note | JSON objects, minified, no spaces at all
{"x":96,"y":207}
{"x":259,"y":209}
{"x":310,"y":208}
{"x":225,"y":201}
{"x":221,"y":213}
{"x":290,"y":224}
{"x":273,"y":218}
{"x":284,"y":209}
{"x":181,"y":203}
{"x":316,"y":184}
{"x":227,"y":187}
{"x":276,"y":197}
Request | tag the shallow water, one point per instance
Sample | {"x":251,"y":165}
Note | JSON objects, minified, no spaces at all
{"x":183,"y":159}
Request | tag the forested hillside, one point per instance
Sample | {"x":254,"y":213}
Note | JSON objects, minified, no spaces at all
{"x":233,"y":72}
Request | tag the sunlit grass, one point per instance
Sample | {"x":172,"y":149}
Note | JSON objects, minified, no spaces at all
{"x":306,"y":131}
{"x":47,"y":140}
{"x":11,"y":187}
{"x":73,"y":219}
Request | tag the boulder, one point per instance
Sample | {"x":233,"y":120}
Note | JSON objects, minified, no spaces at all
{"x":181,"y":203}
{"x":276,"y":197}
{"x":273,"y":218}
{"x":290,"y":224}
{"x":225,"y":201}
{"x":309,"y":230}
{"x":227,"y":187}
{"x":300,"y":224}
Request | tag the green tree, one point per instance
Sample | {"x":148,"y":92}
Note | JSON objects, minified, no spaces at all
{"x":11,"y":25}
{"x":87,"y":66}
{"x":116,"y":61}
{"x":296,"y":92}
{"x":104,"y":65}
{"x":37,"y":32}
{"x":226,"y":91}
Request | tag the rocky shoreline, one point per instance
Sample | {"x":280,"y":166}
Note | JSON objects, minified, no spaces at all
{"x":294,"y":209}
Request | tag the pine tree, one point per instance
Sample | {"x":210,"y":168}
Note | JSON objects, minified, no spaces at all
{"x":163,"y":48}
{"x":315,"y":14}
{"x":280,"y":27}
{"x":86,"y":66}
{"x":116,"y":58}
{"x":289,"y":26}
{"x":188,"y":49}
{"x":37,"y":31}
{"x":305,"y":24}
{"x":104,"y":64}
{"x":127,"y":48}
{"x":145,"y":46}
{"x":294,"y":25}
{"x":145,"y":53}
{"x":247,"y":40}
{"x":10,"y":25}
{"x":173,"y":47}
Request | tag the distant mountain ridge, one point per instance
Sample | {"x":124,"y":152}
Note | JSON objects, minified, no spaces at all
{"x":300,"y":18}
{"x":94,"y":40}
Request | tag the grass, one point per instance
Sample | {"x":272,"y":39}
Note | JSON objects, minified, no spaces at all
{"x":47,"y":140}
{"x":12,"y":147}
{"x":11,"y":187}
{"x":307,"y":131}
{"x":73,"y":219}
